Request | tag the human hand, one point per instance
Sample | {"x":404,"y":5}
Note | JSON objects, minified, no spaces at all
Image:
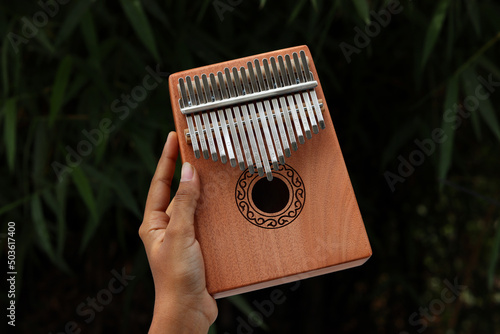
{"x":182,"y":302}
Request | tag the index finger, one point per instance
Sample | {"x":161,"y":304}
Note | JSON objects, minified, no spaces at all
{"x":159,"y":190}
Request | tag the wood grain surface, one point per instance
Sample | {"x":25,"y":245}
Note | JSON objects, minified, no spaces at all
{"x":327,"y":235}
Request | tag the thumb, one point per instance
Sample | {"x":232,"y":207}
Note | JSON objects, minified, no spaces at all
{"x":186,"y":200}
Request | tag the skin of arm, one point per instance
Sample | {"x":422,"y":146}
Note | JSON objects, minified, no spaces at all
{"x":182,"y":302}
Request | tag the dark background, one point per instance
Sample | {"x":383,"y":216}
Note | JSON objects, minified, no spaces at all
{"x":438,"y":227}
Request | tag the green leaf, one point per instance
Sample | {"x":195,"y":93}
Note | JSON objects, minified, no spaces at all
{"x":262,"y":4}
{"x":135,"y":13}
{"x":489,"y":66}
{"x":83,"y":185}
{"x":486,"y":110}
{"x":488,"y":114}
{"x":143,"y":148}
{"x":296,"y":11}
{"x":41,"y":36}
{"x":10,"y":129}
{"x":120,"y":187}
{"x":315,"y":5}
{"x":244,"y":306}
{"x":451,"y":99}
{"x":61,"y":196}
{"x":5,"y":69}
{"x":123,"y":192}
{"x":40,"y":226}
{"x":212,"y":329}
{"x":434,"y":30}
{"x":72,"y":19}
{"x":363,"y":10}
{"x":59,"y":88}
{"x":494,"y":258}
{"x":474,"y":16}
{"x":90,"y":37}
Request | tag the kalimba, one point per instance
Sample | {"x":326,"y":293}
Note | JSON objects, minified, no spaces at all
{"x":277,"y":204}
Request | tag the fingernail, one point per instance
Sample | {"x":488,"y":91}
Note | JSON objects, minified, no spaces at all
{"x":187,"y":172}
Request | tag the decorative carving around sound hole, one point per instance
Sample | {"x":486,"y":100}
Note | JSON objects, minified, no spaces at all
{"x":271,"y":204}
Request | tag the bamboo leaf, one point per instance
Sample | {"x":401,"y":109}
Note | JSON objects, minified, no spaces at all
{"x":83,"y":185}
{"x":121,"y":189}
{"x":123,"y":192}
{"x":90,"y":37}
{"x":489,"y":66}
{"x":434,"y":30}
{"x":103,"y":199}
{"x":450,"y":101}
{"x":10,"y":129}
{"x":41,"y":36}
{"x":152,"y":8}
{"x":474,"y":16}
{"x":467,"y":82}
{"x":5,"y":69}
{"x":40,"y":226}
{"x":59,"y":88}
{"x":363,"y":10}
{"x":296,"y":11}
{"x":72,"y":19}
{"x":485,"y":107}
{"x":135,"y":13}
{"x":488,"y":114}
{"x":494,"y":258}
{"x":61,"y":195}
{"x":315,"y":5}
{"x":244,"y":306}
{"x":212,"y":329}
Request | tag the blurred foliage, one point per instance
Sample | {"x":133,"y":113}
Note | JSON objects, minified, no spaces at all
{"x":73,"y":77}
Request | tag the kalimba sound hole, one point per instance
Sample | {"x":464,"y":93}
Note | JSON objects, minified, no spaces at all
{"x":270,"y":196}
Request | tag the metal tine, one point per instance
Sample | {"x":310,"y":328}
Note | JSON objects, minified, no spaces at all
{"x":267,"y":135}
{"x":197,"y":119}
{"x":204,"y":126}
{"x":248,"y":125}
{"x":247,"y":89}
{"x":215,"y":123}
{"x":270,"y":115}
{"x":291,"y":103}
{"x":189,"y":119}
{"x":239,"y":123}
{"x":230,"y":121}
{"x":284,"y":107}
{"x":305,"y":94}
{"x":223,"y":124}
{"x":277,"y":114}
{"x":312,"y":92}
{"x":208,"y":125}
{"x":268,"y":120}
{"x":298,"y":99}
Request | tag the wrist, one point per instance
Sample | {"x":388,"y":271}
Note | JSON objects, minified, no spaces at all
{"x":178,"y":317}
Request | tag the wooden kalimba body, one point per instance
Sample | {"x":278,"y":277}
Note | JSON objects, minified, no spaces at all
{"x":289,"y":211}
